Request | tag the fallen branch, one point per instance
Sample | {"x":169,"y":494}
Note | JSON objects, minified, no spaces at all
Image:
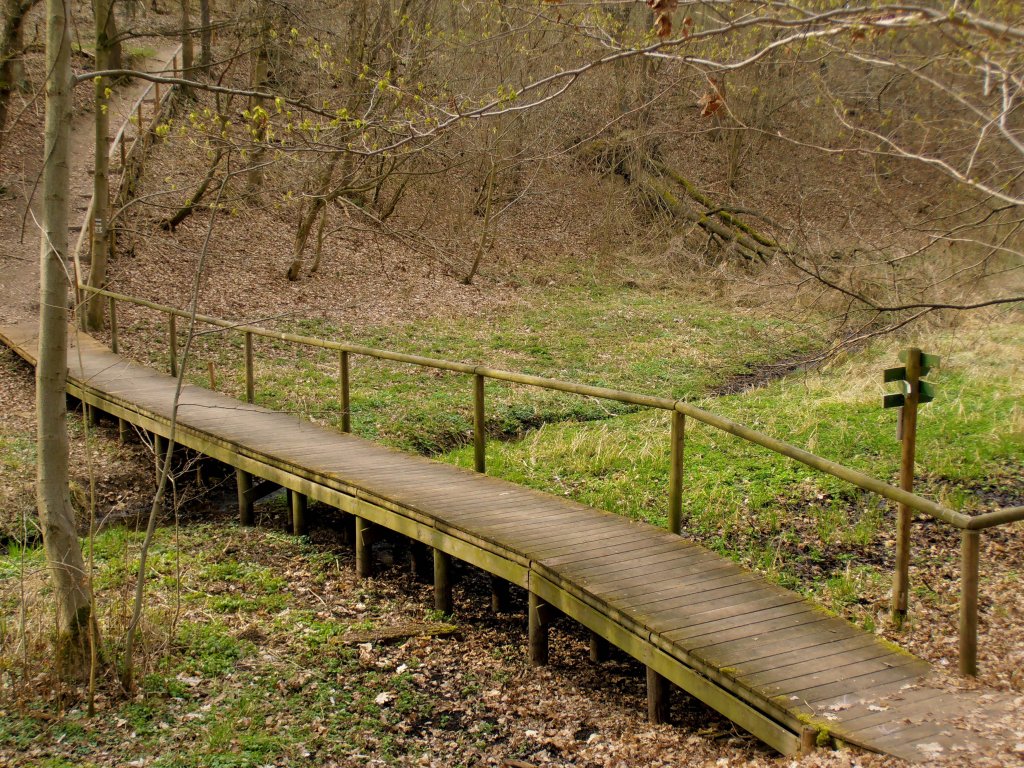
{"x":716,"y":210}
{"x":628,"y":157}
{"x":171,"y":223}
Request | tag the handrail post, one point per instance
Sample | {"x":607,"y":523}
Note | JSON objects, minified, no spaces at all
{"x":969,"y":560}
{"x":908,"y":433}
{"x":113,"y":324}
{"x":250,"y":379}
{"x":346,"y":403}
{"x":479,"y":434}
{"x":172,"y":331}
{"x":675,"y":479}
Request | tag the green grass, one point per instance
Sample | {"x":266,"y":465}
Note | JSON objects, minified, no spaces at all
{"x":658,"y":343}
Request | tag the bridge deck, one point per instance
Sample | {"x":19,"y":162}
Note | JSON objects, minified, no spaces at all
{"x":761,"y":655}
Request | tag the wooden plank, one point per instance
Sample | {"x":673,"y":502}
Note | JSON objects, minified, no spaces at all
{"x":668,"y":555}
{"x":646,"y":597}
{"x":844,"y":671}
{"x":694,"y":593}
{"x":789,"y":658}
{"x":728,"y":649}
{"x":743,"y":625}
{"x":509,"y":513}
{"x":650,"y":572}
{"x":509,"y":522}
{"x":837,"y":662}
{"x":581,"y":541}
{"x":604,"y":550}
{"x":913,"y":706}
{"x":905,"y":741}
{"x":623,"y":526}
{"x":651,"y":577}
{"x":722,"y":613}
{"x":477,"y":501}
{"x":912,"y":670}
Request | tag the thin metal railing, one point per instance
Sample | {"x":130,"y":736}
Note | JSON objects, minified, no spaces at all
{"x":970,"y":526}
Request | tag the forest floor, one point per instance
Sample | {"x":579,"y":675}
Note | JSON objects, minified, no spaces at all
{"x":260,"y":649}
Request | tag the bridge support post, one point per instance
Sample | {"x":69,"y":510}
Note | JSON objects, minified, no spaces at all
{"x":172,"y":344}
{"x":442,"y":582}
{"x":479,"y":425}
{"x":539,"y":620}
{"x":658,"y":697}
{"x":202,"y":472}
{"x":598,"y":648}
{"x":364,"y":548}
{"x":159,"y":451}
{"x":244,"y":482}
{"x":808,"y":740}
{"x":904,"y":516}
{"x":122,"y":431}
{"x":298,"y":508}
{"x":499,"y":594}
{"x":421,"y":569}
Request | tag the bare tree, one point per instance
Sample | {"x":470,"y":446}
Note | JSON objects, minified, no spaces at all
{"x":11,"y":49}
{"x":100,"y":245}
{"x":205,"y":38}
{"x":56,"y":515}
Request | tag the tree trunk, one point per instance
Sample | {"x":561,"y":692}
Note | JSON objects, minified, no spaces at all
{"x":114,"y":58}
{"x":187,"y":50}
{"x":206,"y":38}
{"x":12,"y":72}
{"x":307,"y":218}
{"x":302,"y":235}
{"x":319,"y":241}
{"x":102,"y":10}
{"x":56,"y":516}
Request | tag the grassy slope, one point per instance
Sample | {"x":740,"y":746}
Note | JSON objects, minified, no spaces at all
{"x":659,"y":343}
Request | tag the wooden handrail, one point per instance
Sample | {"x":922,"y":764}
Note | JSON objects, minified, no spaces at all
{"x":852,"y":476}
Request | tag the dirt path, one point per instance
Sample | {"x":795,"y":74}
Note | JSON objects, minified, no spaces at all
{"x":19,"y":241}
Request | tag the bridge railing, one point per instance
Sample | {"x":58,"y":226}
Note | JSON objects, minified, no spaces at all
{"x":970,"y":526}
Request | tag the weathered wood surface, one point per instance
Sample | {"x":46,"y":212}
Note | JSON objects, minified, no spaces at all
{"x":759,"y":654}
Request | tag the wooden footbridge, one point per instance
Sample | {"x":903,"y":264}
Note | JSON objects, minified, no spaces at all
{"x":763,"y":656}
